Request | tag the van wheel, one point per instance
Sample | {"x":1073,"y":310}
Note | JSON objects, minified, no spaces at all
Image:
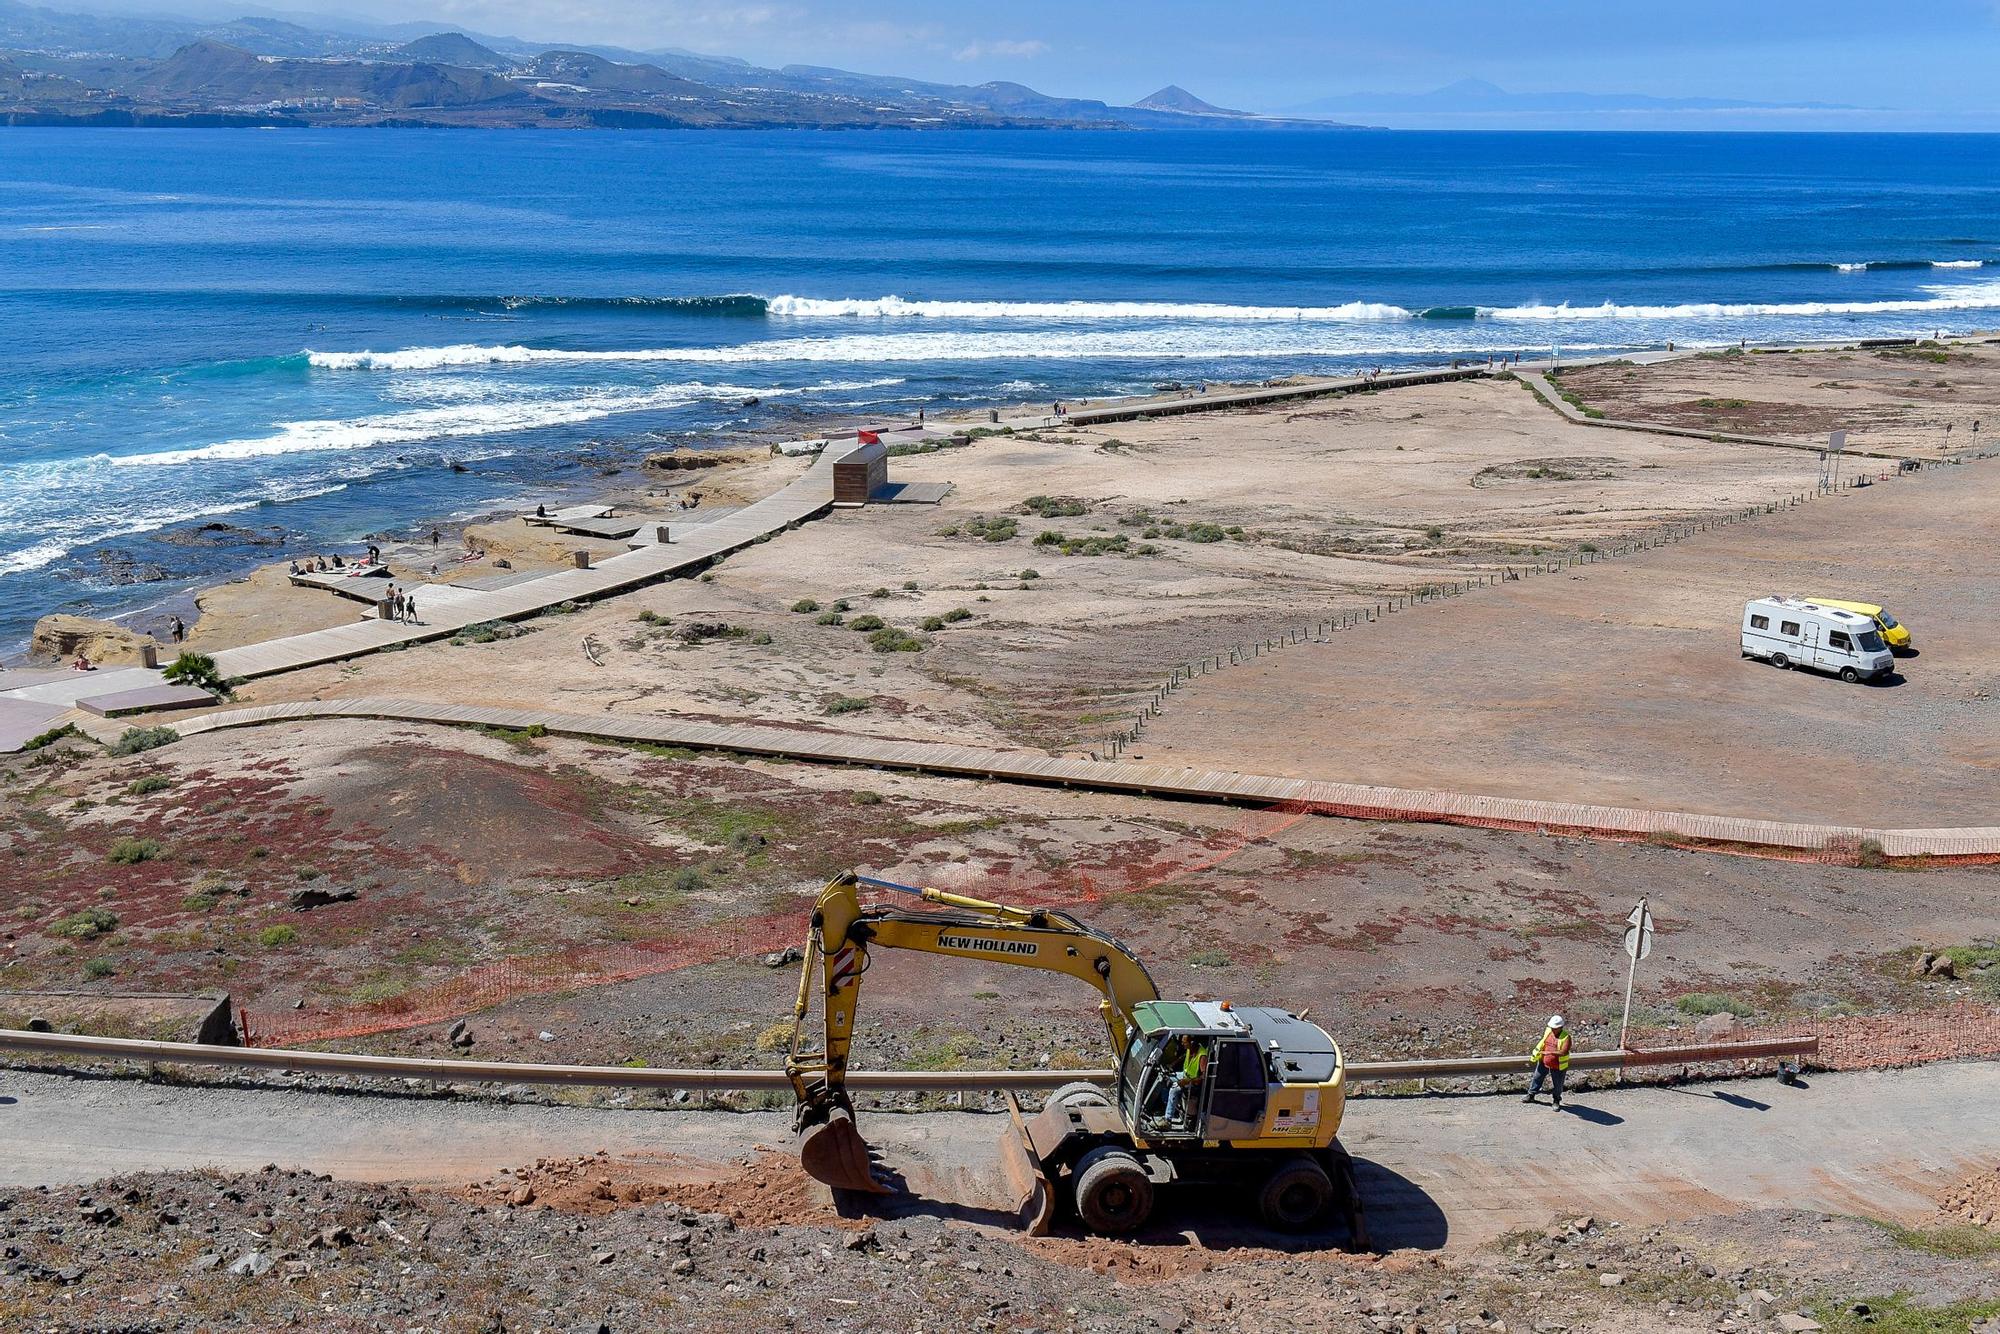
{"x":1780,"y":661}
{"x":1849,"y":675}
{"x":1297,"y":1193}
{"x":1113,"y":1193}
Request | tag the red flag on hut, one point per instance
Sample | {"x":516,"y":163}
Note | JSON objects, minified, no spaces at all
{"x":867,"y":438}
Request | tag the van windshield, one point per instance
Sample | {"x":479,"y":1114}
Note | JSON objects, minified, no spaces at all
{"x":1888,"y":621}
{"x":1869,"y":641}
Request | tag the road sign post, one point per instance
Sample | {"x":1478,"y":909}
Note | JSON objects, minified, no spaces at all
{"x":1638,"y":944}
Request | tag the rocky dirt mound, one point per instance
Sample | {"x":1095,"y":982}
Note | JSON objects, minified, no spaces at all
{"x":764,"y":1189}
{"x":1975,"y":1200}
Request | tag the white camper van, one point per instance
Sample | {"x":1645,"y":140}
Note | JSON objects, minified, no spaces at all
{"x":1795,"y":632}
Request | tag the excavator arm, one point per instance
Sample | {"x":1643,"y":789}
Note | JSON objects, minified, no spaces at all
{"x":837,"y":956}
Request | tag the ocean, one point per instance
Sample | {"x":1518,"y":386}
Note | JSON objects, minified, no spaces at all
{"x":318,"y":335}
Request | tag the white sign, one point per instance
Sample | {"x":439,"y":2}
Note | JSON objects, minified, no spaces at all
{"x":1639,"y":933}
{"x":1836,"y":442}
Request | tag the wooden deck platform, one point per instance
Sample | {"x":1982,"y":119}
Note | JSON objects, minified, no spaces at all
{"x":1326,"y":797}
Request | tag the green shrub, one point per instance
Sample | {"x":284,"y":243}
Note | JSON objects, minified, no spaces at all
{"x":865,"y":623}
{"x":879,"y":593}
{"x":828,"y":618}
{"x":805,"y":606}
{"x":1055,"y":507}
{"x":99,"y":968}
{"x":132,"y":851}
{"x":87,"y":925}
{"x":909,"y":585}
{"x":150,"y":783}
{"x":199,"y":901}
{"x":686,"y":880}
{"x":1001,"y":528}
{"x":651,"y":617}
{"x":274,"y":937}
{"x":957,"y":614}
{"x":932,"y":623}
{"x":842,"y":604}
{"x":761,"y":637}
{"x":1031,"y":574}
{"x":1205,"y":532}
{"x":137,"y":739}
{"x":198,"y":670}
{"x":867,"y":798}
{"x":892,"y":640}
{"x":1709,"y":1002}
{"x":840,"y":704}
{"x":53,"y":735}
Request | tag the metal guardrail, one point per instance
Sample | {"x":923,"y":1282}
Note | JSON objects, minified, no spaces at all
{"x":718,"y":1081}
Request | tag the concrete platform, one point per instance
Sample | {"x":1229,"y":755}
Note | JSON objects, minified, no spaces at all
{"x":570,"y":514}
{"x":910,"y":493}
{"x":146,"y":699}
{"x":22,"y":720}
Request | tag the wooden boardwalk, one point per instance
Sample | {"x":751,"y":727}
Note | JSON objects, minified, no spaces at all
{"x":1352,"y":800}
{"x":444,"y":614}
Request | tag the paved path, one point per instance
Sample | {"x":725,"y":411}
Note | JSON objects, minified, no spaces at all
{"x":803,"y":499}
{"x":1552,"y":396}
{"x":1433,"y":1171}
{"x":1354,"y":800}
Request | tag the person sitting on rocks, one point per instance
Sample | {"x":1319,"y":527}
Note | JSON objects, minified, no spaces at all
{"x":83,"y":664}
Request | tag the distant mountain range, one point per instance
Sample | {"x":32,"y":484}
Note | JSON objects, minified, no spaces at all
{"x":61,"y":68}
{"x":1474,"y":102}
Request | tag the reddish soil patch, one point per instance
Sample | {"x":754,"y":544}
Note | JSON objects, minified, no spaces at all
{"x":764,"y":1189}
{"x":485,"y":819}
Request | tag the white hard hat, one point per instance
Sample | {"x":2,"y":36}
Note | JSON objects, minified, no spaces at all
{"x":1555,"y":1021}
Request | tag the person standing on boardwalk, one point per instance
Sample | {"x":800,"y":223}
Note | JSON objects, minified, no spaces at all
{"x":410,"y":615}
{"x":1551,"y":1061}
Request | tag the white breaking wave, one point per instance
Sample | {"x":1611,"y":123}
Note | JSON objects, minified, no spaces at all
{"x":1179,"y":336}
{"x":1852,"y":268}
{"x":456,"y":420}
{"x":1968,"y":296}
{"x":1958,"y":263}
{"x":893,"y":307}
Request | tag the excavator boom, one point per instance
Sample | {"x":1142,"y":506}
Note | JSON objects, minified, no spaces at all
{"x":837,"y":956}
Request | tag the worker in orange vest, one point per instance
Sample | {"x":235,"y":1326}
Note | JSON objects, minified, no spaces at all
{"x":1551,"y":1061}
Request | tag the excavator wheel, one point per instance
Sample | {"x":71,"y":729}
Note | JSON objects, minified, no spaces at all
{"x":832,"y":1151}
{"x":1113,"y":1193}
{"x":1079,"y":1093}
{"x":1295,"y":1195}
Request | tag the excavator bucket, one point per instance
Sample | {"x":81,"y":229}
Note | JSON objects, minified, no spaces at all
{"x":832,"y":1151}
{"x":1034,"y":1198}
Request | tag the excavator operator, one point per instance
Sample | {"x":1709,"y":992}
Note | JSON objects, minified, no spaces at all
{"x":1193,"y":1066}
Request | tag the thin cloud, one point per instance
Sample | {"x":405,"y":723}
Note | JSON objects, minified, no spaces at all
{"x":1027,"y":50}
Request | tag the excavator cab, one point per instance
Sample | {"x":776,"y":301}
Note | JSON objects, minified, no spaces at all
{"x":1190,"y":1077}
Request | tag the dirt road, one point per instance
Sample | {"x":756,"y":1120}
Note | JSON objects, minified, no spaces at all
{"x":1434,"y":1172}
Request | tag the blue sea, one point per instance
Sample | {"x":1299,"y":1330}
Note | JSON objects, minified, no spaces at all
{"x":325,"y":334}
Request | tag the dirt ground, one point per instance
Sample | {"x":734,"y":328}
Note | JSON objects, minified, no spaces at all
{"x":1620,"y":683}
{"x":1896,"y":399}
{"x":634,"y":894}
{"x":1210,"y":531}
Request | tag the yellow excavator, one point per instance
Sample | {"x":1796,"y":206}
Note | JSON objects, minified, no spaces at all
{"x":1248,"y":1098}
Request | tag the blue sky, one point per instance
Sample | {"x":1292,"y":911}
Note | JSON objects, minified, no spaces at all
{"x":1928,"y":56}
